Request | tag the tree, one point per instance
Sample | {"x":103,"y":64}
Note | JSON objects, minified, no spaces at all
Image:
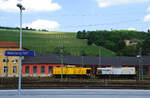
{"x":109,"y":44}
{"x":27,"y":28}
{"x":82,"y":34}
{"x":114,"y":40}
{"x":148,"y":30}
{"x":78,"y":34}
{"x":69,"y":53}
{"x":120,"y":45}
{"x":146,"y":47}
{"x":82,"y":53}
{"x":130,"y":51}
{"x":56,"y":50}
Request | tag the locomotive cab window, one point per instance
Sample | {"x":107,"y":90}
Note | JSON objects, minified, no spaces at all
{"x":99,"y":71}
{"x":88,"y":71}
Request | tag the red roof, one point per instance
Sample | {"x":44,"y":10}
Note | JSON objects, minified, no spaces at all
{"x":6,"y":44}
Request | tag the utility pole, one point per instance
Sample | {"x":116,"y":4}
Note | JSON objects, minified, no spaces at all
{"x":82,"y":60}
{"x":99,"y":56}
{"x":62,"y":59}
{"x":141,"y":65}
{"x":62,"y":63}
{"x":140,"y":70}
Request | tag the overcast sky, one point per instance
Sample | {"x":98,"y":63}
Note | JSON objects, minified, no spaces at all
{"x":74,"y":15}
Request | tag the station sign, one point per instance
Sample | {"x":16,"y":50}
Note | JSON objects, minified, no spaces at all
{"x":19,"y":53}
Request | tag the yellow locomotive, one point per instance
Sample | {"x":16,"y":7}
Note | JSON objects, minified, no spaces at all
{"x":71,"y":71}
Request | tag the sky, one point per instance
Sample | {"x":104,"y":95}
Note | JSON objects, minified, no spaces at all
{"x":75,"y":15}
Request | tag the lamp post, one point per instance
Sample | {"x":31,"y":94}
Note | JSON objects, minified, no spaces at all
{"x":20,"y":6}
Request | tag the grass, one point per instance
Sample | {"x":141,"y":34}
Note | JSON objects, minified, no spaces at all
{"x":50,"y":42}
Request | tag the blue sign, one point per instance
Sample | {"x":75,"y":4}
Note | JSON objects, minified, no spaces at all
{"x":19,"y":53}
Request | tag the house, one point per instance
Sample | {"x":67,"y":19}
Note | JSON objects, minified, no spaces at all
{"x":131,"y":42}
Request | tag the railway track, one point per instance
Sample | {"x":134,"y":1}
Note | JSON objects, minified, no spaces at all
{"x":111,"y":84}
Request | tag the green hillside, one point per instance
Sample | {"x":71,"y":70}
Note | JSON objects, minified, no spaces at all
{"x":50,"y":42}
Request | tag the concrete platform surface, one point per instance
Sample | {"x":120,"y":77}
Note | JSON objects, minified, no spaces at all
{"x":75,"y":93}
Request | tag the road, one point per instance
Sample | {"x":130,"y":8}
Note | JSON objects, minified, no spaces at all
{"x":75,"y":93}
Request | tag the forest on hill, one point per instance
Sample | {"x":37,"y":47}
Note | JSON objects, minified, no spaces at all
{"x":116,"y":41}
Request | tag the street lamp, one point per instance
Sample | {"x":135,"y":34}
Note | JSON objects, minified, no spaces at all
{"x":20,"y":6}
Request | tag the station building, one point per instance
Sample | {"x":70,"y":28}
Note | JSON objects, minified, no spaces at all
{"x":9,"y":66}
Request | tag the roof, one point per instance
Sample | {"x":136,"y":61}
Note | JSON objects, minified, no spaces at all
{"x":44,"y":58}
{"x":7,"y":44}
{"x":90,"y":60}
{"x":134,"y":40}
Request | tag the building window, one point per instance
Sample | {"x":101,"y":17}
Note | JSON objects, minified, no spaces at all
{"x":5,"y":60}
{"x":50,"y":69}
{"x":27,"y":69}
{"x":14,"y":60}
{"x":5,"y":69}
{"x":34,"y":69}
{"x":43,"y":69}
{"x":14,"y":69}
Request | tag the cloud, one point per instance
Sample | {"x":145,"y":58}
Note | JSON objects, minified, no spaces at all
{"x":148,"y":8}
{"x":30,"y":5}
{"x":132,"y":29}
{"x":43,"y":24}
{"x":106,"y":3}
{"x":147,"y":18}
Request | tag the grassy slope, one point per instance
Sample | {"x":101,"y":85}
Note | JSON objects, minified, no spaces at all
{"x":48,"y":41}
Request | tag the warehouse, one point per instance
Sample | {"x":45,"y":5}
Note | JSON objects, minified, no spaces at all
{"x":42,"y":63}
